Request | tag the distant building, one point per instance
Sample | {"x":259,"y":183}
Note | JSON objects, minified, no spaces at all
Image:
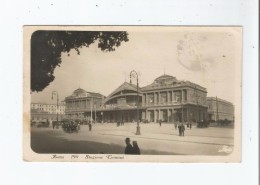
{"x":42,"y":116}
{"x":166,"y":99}
{"x":41,"y":112}
{"x":80,"y":103}
{"x":49,"y":108}
{"x":219,"y":109}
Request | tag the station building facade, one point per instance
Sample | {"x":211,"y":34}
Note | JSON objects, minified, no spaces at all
{"x":166,"y":99}
{"x":121,"y":104}
{"x":171,"y":100}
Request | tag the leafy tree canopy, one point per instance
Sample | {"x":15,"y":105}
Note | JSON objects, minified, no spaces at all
{"x":47,"y":46}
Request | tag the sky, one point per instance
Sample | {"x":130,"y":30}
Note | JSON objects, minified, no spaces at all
{"x":210,"y":57}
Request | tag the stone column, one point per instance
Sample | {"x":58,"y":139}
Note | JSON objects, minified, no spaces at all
{"x":173,"y":117}
{"x":170,"y":98}
{"x":154,"y":98}
{"x":188,"y":114}
{"x":167,"y":97}
{"x":168,"y":115}
{"x":155,"y":115}
{"x":159,"y":99}
{"x":154,"y":112}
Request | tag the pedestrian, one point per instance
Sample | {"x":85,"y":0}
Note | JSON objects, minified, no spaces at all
{"x":78,"y":126}
{"x":53,"y":124}
{"x":175,"y":126}
{"x":160,"y":123}
{"x":182,"y":129}
{"x":129,"y":147}
{"x":136,"y":150}
{"x":48,"y":123}
{"x":89,"y":126}
{"x":190,"y":125}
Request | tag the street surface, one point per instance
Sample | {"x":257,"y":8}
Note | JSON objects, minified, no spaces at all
{"x":154,"y":140}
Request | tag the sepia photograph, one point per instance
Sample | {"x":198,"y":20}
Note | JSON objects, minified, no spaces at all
{"x":132,"y":93}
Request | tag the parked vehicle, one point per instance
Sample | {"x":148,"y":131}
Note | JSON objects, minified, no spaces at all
{"x":43,"y":124}
{"x":203,"y":124}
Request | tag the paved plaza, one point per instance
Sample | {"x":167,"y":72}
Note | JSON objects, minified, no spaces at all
{"x":154,"y":140}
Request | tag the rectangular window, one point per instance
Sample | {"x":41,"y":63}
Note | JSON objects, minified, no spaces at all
{"x":163,"y":97}
{"x":150,"y":99}
{"x":177,"y":96}
{"x":185,"y":95}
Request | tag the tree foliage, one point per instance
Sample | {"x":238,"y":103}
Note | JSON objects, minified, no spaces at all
{"x":47,"y":46}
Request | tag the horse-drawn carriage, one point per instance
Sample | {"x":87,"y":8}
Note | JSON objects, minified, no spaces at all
{"x":70,"y":126}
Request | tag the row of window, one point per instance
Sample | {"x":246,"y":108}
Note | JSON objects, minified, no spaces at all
{"x":48,"y":106}
{"x":163,"y":97}
{"x":81,"y":104}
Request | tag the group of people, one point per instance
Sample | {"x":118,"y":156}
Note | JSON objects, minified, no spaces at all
{"x":131,"y":149}
{"x":119,"y":123}
{"x":181,"y":129}
{"x":189,"y":125}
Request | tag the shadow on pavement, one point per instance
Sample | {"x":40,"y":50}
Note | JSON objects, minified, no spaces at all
{"x":48,"y":143}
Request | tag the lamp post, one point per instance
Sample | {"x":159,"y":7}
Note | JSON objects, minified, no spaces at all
{"x":182,"y":112}
{"x":57,"y":95}
{"x":132,"y":74}
{"x":195,"y":94}
{"x":95,"y":112}
{"x":91,"y":104}
{"x":217,"y":116}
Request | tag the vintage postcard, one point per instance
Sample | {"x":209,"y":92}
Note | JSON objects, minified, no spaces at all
{"x":132,"y":93}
